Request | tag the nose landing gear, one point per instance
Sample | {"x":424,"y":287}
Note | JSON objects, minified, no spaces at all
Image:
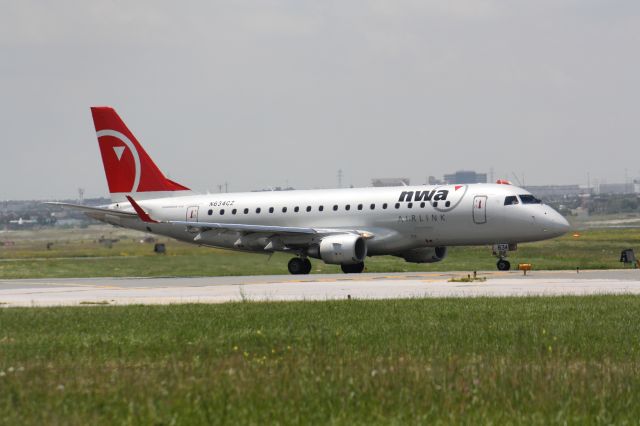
{"x":299,"y":266}
{"x":503,"y":265}
{"x":501,"y":251}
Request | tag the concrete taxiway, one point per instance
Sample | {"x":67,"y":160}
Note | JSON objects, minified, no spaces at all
{"x":121,"y":291}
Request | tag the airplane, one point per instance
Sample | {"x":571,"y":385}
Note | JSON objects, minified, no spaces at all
{"x":336,"y":226}
{"x":22,"y":221}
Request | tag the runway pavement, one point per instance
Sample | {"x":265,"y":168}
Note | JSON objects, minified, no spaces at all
{"x":122,"y":291}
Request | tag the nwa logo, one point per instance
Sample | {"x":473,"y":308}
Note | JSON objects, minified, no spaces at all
{"x":443,"y":199}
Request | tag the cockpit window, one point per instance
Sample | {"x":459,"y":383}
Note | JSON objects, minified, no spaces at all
{"x":510,"y":200}
{"x":529,"y":199}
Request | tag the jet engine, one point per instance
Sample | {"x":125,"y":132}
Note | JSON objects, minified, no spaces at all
{"x":344,"y":249}
{"x":424,"y":255}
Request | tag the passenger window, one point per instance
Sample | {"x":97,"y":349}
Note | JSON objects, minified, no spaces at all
{"x":372,"y":206}
{"x":422,"y":204}
{"x":529,"y":199}
{"x":258,"y":210}
{"x":347,"y":207}
{"x":221,"y":212}
{"x":284,"y":210}
{"x":335,"y":207}
{"x":359,"y":206}
{"x":384,"y":206}
{"x":296,"y":209}
{"x":210,"y":212}
{"x":410,"y":205}
{"x":321,"y":208}
{"x":246,"y":211}
{"x":397,"y":205}
{"x":270,"y":209}
{"x":510,"y":200}
{"x":308,"y":208}
{"x":234,"y":211}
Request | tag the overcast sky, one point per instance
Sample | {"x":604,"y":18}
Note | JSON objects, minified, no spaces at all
{"x":265,"y":93}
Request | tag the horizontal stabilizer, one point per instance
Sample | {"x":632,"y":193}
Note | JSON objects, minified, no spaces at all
{"x":95,"y":212}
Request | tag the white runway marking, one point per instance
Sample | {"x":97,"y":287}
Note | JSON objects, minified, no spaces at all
{"x":122,"y":291}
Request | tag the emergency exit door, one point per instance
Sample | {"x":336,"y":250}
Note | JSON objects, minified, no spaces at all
{"x":480,"y":209}
{"x":192,"y":214}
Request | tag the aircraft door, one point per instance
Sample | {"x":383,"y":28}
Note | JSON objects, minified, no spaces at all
{"x":480,"y":209}
{"x":192,"y":214}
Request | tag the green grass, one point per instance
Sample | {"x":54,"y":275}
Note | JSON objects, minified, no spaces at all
{"x":76,"y":253}
{"x":429,"y":361}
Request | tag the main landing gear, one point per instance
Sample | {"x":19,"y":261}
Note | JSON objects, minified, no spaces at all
{"x":302,"y":266}
{"x":355,"y":268}
{"x":299,"y":266}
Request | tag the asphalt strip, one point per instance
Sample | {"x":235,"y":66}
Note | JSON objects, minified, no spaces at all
{"x":174,"y":290}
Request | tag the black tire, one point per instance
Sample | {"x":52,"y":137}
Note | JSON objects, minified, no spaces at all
{"x":296,"y":266}
{"x":355,"y":268}
{"x":503,"y":265}
{"x":307,"y":266}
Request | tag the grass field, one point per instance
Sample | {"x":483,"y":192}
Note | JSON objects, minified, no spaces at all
{"x":76,"y":253}
{"x":472,"y":361}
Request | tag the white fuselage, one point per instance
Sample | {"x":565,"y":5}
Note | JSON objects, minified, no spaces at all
{"x":399,"y":218}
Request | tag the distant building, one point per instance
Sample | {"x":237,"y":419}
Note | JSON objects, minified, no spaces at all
{"x":275,"y":188}
{"x":378,"y":182}
{"x":70,"y":223}
{"x":557,"y":191}
{"x":465,"y":176}
{"x":616,"y":188}
{"x":432,"y":180}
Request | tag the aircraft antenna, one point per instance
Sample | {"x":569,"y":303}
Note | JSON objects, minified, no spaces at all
{"x":517,"y":179}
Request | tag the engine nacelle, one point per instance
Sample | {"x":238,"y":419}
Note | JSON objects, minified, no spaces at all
{"x":345,"y":249}
{"x":425,"y":255}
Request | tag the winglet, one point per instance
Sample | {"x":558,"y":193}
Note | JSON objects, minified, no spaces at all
{"x":141,"y":213}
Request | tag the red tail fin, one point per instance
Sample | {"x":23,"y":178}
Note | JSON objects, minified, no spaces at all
{"x":128,"y":167}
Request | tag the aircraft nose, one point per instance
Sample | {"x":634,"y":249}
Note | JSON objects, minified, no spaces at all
{"x":556,"y":223}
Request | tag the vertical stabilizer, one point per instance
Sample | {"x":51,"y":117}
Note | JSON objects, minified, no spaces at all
{"x":129,"y":169}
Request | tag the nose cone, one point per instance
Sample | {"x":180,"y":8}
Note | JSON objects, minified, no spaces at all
{"x":555,"y":223}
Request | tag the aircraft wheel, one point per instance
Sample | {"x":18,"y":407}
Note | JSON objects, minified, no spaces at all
{"x":355,"y":268}
{"x":297,"y":266}
{"x":307,"y":266}
{"x":503,"y":265}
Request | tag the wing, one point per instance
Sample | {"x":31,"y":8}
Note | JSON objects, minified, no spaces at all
{"x":242,"y":227}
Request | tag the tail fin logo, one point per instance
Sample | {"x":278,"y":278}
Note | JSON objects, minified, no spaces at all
{"x":119,"y":150}
{"x":128,"y":167}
